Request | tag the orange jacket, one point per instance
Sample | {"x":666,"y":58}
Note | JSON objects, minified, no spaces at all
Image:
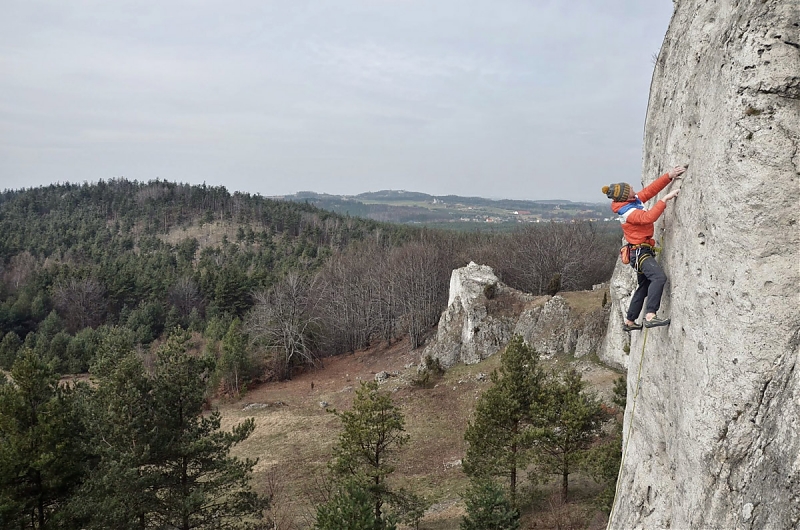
{"x":637,"y":225}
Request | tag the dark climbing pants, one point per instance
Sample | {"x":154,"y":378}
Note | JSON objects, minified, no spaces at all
{"x":651,"y":285}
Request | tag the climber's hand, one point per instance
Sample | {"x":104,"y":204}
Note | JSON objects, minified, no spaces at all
{"x":671,"y":195}
{"x":676,"y":172}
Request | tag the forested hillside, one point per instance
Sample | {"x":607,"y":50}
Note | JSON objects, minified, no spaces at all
{"x":291,"y":282}
{"x":170,"y":295}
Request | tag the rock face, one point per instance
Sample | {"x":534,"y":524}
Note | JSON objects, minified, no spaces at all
{"x":554,"y":327}
{"x":483,"y":314}
{"x":715,"y":438}
{"x":467,"y":332}
{"x":615,"y":350}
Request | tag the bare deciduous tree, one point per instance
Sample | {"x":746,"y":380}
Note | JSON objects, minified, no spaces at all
{"x":283,"y":321}
{"x":387,"y":305}
{"x":350,"y":297}
{"x":80,"y":303}
{"x":373,"y":291}
{"x":421,"y":271}
{"x":185,"y":295}
{"x":19,"y":270}
{"x":282,"y":503}
{"x":531,"y":257}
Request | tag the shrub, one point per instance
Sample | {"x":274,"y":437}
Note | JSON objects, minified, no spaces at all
{"x":555,"y":284}
{"x":431,"y":371}
{"x":490,"y":290}
{"x":351,"y":507}
{"x":488,"y":507}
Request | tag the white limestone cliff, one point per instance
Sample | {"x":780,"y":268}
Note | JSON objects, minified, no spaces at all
{"x":715,"y":439}
{"x":467,"y":332}
{"x":483,"y":314}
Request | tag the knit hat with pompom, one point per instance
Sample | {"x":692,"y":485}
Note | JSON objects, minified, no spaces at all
{"x":621,"y":192}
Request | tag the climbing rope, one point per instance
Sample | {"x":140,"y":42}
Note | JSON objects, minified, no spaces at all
{"x":630,"y":427}
{"x":658,"y":249}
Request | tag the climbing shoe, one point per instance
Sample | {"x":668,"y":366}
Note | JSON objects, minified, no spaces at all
{"x":634,"y":327}
{"x":656,"y":322}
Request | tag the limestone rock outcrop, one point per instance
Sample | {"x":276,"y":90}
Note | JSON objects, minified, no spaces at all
{"x":715,"y":439}
{"x":467,"y":333}
{"x":483,"y":314}
{"x":615,"y":350}
{"x":555,"y":327}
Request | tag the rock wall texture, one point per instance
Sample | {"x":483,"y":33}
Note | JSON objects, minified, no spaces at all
{"x":483,"y":314}
{"x":715,"y":439}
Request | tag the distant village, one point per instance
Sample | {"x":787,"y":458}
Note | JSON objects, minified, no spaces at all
{"x":420,"y":208}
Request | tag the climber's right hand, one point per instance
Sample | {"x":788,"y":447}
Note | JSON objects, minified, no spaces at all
{"x":676,"y":172}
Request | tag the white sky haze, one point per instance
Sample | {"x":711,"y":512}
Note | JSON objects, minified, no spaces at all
{"x":508,"y":99}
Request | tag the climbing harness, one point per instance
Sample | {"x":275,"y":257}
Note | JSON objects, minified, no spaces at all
{"x":636,"y":254}
{"x":639,"y":253}
{"x":630,"y":427}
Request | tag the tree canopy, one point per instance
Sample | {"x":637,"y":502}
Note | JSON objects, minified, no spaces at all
{"x":136,"y":451}
{"x":77,"y":259}
{"x":498,"y":445}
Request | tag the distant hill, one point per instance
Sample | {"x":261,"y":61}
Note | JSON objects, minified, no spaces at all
{"x":400,"y":206}
{"x":122,"y":253}
{"x":394,"y":196}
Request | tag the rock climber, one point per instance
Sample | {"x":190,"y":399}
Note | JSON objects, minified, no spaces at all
{"x":637,"y":227}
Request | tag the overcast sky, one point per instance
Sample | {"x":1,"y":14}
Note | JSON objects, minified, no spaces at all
{"x":520,"y":99}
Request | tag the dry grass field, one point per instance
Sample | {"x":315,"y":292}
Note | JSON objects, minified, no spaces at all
{"x":294,"y":434}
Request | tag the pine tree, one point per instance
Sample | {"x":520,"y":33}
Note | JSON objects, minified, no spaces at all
{"x":121,"y":490}
{"x":234,"y":364}
{"x":232,"y":290}
{"x":163,"y":463}
{"x":571,"y":420}
{"x":488,"y":508}
{"x":374,"y":430}
{"x":8,"y":349}
{"x":497,"y":441}
{"x":351,"y":507}
{"x":200,"y":484}
{"x":40,"y":457}
{"x":602,"y":463}
{"x":603,"y":460}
